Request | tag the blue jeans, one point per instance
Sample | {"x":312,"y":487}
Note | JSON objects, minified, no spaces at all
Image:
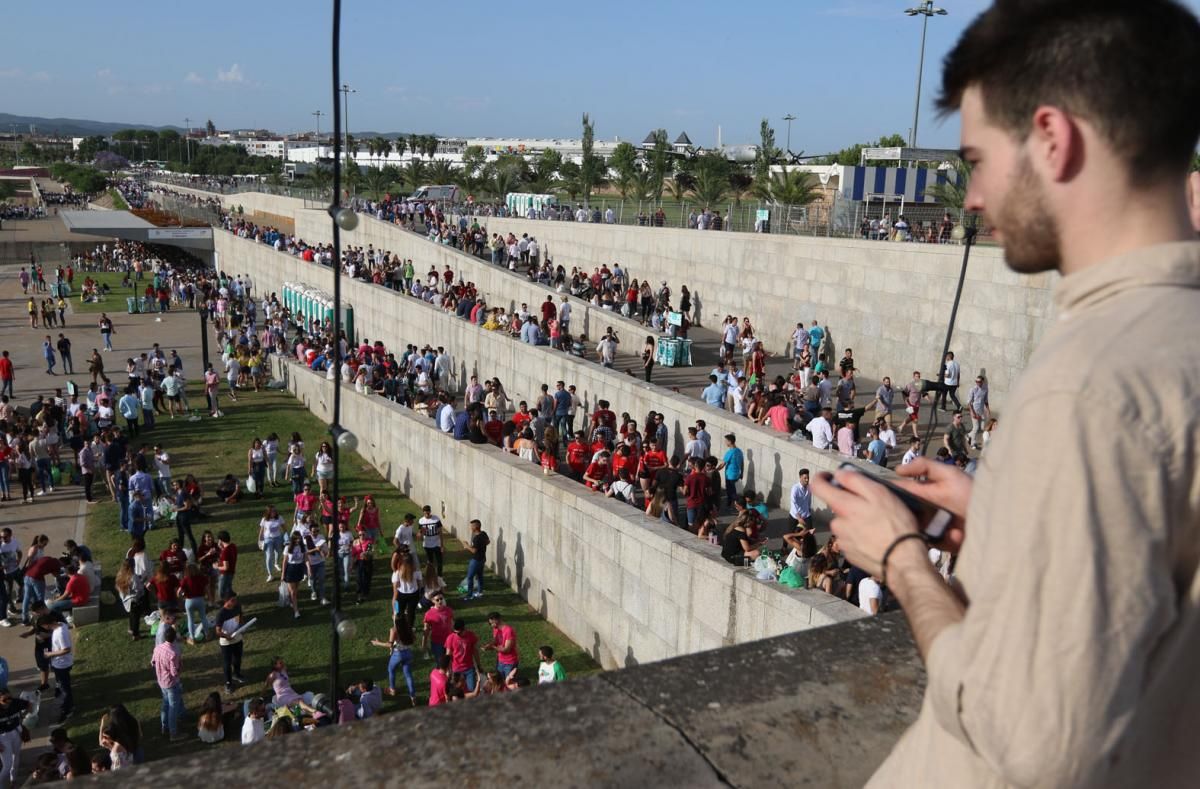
{"x":317,"y":573}
{"x":504,"y":669}
{"x":34,"y":590}
{"x":474,"y":573}
{"x":224,"y":586}
{"x":562,"y":423}
{"x":62,"y":677}
{"x":730,"y":491}
{"x":107,"y":340}
{"x":4,"y":476}
{"x":172,"y":708}
{"x":148,"y":417}
{"x":64,"y":606}
{"x":43,"y":473}
{"x":272,"y":550}
{"x":471,"y":677}
{"x":195,"y":605}
{"x":438,"y":651}
{"x":401,"y":659}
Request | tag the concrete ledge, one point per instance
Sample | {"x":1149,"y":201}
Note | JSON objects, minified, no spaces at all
{"x":820,"y":708}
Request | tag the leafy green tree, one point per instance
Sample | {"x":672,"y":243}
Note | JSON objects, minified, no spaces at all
{"x":7,"y":189}
{"x":712,"y":179}
{"x":473,"y":160}
{"x":502,"y":181}
{"x":588,"y":167}
{"x":642,"y":185}
{"x":377,"y":182}
{"x":125,"y":141}
{"x":740,"y":183}
{"x":321,"y":178}
{"x":789,"y":187}
{"x":660,"y":161}
{"x":548,"y":164}
{"x":148,"y":142}
{"x":210,"y":128}
{"x":400,"y":144}
{"x":414,"y":173}
{"x":853,"y":155}
{"x":953,"y":195}
{"x":624,"y":162}
{"x":171,"y":145}
{"x":767,"y":152}
{"x":680,"y":185}
{"x":441,"y":172}
{"x":570,"y":179}
{"x":90,"y":146}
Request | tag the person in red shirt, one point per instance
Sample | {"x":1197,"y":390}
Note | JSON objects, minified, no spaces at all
{"x":438,"y":679}
{"x":6,"y":374}
{"x":76,"y":593}
{"x":598,"y":472}
{"x":623,"y":459}
{"x":504,"y":644}
{"x":604,"y":419}
{"x":226,"y":564}
{"x":696,"y":486}
{"x":652,"y":460}
{"x":493,"y":428}
{"x":174,"y":558}
{"x":549,"y":311}
{"x":463,"y":647}
{"x":522,"y":418}
{"x":166,"y":587}
{"x":578,"y":455}
{"x":439,"y":623}
{"x":305,"y":501}
{"x":193,"y":588}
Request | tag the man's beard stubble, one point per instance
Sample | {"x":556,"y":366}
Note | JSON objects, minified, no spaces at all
{"x":1028,"y":229}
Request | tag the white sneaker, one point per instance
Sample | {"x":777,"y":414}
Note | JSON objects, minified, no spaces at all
{"x":40,"y":493}
{"x":5,"y":622}
{"x":296,"y":615}
{"x":314,"y":597}
{"x":324,"y":601}
{"x":269,"y":578}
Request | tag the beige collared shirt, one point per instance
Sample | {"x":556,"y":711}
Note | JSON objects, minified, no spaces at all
{"x":1076,"y":662}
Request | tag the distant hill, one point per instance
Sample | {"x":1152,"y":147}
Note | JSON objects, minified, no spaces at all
{"x":68,"y":127}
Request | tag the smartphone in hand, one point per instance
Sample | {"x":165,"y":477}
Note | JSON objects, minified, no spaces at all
{"x":933,"y":521}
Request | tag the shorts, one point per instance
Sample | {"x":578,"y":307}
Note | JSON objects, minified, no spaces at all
{"x":39,"y":656}
{"x":916,"y":413}
{"x":324,"y":475}
{"x":173,"y":398}
{"x":294,"y":573}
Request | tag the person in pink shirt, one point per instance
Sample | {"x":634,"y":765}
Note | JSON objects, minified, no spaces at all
{"x":439,"y":623}
{"x":777,"y":417}
{"x":167,"y":667}
{"x":845,"y":440}
{"x":463,"y":647}
{"x":305,"y":500}
{"x":504,"y":644}
{"x":439,"y":678}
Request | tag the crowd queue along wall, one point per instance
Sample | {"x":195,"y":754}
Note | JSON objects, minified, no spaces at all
{"x":628,"y":588}
{"x":888,"y":301}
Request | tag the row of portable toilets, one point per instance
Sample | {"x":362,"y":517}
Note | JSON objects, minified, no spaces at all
{"x":316,"y":304}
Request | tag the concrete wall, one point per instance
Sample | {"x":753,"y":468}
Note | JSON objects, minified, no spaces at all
{"x":890,"y":302}
{"x":772,"y":459}
{"x":628,"y":588}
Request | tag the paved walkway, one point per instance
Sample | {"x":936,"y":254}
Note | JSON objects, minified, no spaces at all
{"x":61,"y":515}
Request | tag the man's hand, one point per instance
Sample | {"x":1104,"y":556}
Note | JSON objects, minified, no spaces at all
{"x":946,"y":487}
{"x":867,"y":517}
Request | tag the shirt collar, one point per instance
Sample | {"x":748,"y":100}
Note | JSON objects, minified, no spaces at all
{"x":1172,"y":264}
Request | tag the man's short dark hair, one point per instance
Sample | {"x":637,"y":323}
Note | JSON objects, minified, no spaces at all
{"x":1131,"y":69}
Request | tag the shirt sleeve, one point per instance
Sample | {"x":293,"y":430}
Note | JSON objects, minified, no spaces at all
{"x":1067,"y":567}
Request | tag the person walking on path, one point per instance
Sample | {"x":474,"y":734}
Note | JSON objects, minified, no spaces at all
{"x":64,"y":351}
{"x":7,"y":376}
{"x":106,"y":330}
{"x":48,"y":354}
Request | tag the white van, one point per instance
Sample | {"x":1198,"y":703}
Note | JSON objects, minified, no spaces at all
{"x":436,"y":194}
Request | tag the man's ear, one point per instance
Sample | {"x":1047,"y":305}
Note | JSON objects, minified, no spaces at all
{"x":1056,"y":143}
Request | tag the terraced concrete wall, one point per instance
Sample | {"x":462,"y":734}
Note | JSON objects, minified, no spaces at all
{"x":888,"y":301}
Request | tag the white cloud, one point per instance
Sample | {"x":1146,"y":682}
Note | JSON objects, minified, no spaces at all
{"x":40,"y":76}
{"x":194,"y":78}
{"x":234,"y":74}
{"x":104,"y":73}
{"x":11,"y":73}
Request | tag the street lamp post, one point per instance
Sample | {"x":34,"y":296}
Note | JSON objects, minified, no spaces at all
{"x":789,"y":118}
{"x":187,"y":139}
{"x":318,"y":115}
{"x":346,"y":90}
{"x":926,"y":9}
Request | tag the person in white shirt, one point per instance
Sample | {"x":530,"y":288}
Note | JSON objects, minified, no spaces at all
{"x":870,"y":595}
{"x":800,"y":501}
{"x":914,"y":451}
{"x":253,"y":729}
{"x":822,"y":429}
{"x":951,"y":372}
{"x":404,"y":532}
{"x":445,"y":417}
{"x":607,"y":349}
{"x":886,"y":434}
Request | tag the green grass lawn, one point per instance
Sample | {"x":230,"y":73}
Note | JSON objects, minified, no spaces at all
{"x":114,"y":303}
{"x":111,"y":668}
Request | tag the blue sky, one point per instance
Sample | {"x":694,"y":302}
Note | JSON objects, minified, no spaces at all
{"x":845,"y":68}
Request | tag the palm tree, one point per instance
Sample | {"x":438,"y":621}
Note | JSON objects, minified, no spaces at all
{"x":400,"y":144}
{"x":643,"y":185}
{"x":440,"y":172}
{"x":414,"y":173}
{"x":710,"y":188}
{"x":789,"y":187}
{"x":952,"y":194}
{"x":569,"y":179}
{"x":321,"y":178}
{"x":502,"y":181}
{"x":741,"y":183}
{"x":377,"y":182}
{"x":680,"y":184}
{"x":384,"y":146}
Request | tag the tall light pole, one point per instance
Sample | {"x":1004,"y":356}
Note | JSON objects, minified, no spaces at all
{"x":187,"y":139}
{"x":346,"y":90}
{"x":788,"y":147}
{"x":318,"y":115}
{"x":926,"y":9}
